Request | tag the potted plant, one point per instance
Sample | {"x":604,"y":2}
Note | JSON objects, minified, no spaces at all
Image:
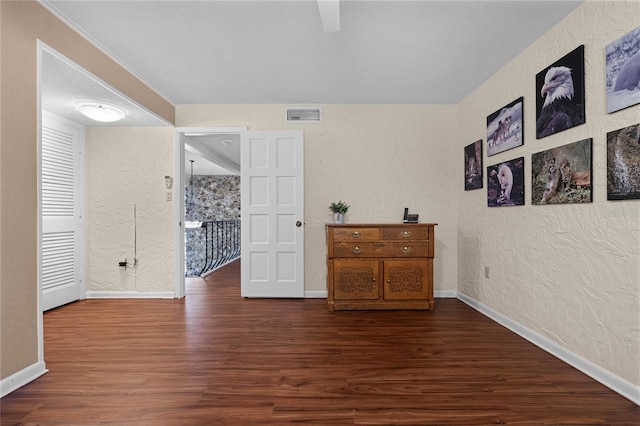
{"x":339,"y":209}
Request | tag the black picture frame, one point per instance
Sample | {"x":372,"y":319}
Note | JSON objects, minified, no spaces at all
{"x":505,"y":183}
{"x":473,"y":169}
{"x":623,"y":163}
{"x":560,"y":99}
{"x":505,"y":128}
{"x":623,"y":63}
{"x":563,"y":175}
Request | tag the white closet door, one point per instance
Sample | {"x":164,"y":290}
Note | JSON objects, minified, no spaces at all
{"x":62,"y":168}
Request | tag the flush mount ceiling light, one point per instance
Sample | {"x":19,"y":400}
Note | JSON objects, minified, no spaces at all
{"x":100,"y":111}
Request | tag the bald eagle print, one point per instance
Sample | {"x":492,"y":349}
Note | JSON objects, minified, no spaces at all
{"x":560,"y":95}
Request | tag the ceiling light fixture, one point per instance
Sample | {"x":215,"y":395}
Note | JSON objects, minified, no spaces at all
{"x":100,"y":111}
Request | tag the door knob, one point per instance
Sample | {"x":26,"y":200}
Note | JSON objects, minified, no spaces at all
{"x":298,"y":224}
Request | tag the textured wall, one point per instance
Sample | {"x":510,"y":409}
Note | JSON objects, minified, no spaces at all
{"x":378,"y":158}
{"x":568,"y":272}
{"x":126,"y":167}
{"x":23,"y":23}
{"x":214,"y":198}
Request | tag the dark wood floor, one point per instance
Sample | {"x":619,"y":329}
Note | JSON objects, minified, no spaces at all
{"x":216,"y":358}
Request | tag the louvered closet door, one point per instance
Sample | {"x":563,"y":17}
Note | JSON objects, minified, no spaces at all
{"x":62,"y":235}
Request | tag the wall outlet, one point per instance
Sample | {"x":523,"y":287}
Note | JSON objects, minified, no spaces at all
{"x":169,"y":196}
{"x":486,"y":272}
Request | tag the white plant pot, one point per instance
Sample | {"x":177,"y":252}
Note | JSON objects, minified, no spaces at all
{"x":338,"y":217}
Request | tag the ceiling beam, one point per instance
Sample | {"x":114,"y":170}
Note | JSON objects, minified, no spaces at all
{"x":330,"y":15}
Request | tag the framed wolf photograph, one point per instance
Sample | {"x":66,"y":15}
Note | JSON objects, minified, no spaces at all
{"x":623,"y":163}
{"x":505,"y":183}
{"x":560,"y":95}
{"x":473,"y":166}
{"x":505,"y":128}
{"x":562,"y":175}
{"x":623,"y":71}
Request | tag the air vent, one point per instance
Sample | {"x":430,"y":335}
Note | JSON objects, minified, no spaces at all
{"x":304,"y":115}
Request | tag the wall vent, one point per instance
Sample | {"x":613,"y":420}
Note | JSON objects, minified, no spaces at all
{"x":304,"y":115}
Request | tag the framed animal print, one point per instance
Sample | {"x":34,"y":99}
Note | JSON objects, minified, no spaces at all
{"x":623,"y":163}
{"x":562,"y":175}
{"x":560,"y":95}
{"x":505,"y":128}
{"x":623,"y":71}
{"x":505,"y":183}
{"x":473,"y":166}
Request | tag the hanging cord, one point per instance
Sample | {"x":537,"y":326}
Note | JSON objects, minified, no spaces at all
{"x":135,"y":235}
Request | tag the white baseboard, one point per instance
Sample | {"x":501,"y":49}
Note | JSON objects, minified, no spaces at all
{"x":130,"y":295}
{"x":445,"y":294}
{"x":21,"y":378}
{"x":607,"y":378}
{"x":315,"y":294}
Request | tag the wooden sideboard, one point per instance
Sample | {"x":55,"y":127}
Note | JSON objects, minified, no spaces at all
{"x":380,"y":266}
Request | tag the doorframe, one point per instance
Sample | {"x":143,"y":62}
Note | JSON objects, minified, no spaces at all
{"x":178,"y":202}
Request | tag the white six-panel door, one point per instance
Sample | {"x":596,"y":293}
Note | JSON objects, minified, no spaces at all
{"x":61,"y":255}
{"x":272,"y":214}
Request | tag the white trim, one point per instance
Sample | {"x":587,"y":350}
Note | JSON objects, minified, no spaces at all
{"x":131,"y":295}
{"x":607,"y":378}
{"x":21,"y":378}
{"x":445,"y":294}
{"x":315,"y":294}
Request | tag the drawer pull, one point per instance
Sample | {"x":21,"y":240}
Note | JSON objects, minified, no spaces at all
{"x":356,"y":234}
{"x":374,"y":280}
{"x":356,"y":250}
{"x":406,"y":234}
{"x":406,"y":249}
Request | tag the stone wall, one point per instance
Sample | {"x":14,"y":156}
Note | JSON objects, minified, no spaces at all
{"x":214,"y":198}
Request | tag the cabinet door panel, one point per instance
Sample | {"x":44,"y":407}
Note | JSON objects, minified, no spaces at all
{"x":356,"y":279}
{"x":407,"y":279}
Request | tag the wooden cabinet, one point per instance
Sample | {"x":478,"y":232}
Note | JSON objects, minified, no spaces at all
{"x":380,"y":266}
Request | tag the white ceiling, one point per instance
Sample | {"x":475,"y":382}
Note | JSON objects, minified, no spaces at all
{"x":265,"y":51}
{"x":399,"y":52}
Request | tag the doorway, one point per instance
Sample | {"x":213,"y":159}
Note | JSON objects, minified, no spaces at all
{"x":272,"y":210}
{"x":212,"y":202}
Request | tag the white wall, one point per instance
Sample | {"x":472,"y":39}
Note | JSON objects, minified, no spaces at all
{"x":568,"y":272}
{"x":378,"y":158}
{"x":126,"y":167}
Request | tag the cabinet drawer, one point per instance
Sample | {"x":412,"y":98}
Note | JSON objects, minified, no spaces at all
{"x":356,"y":280}
{"x":405,"y":233}
{"x":356,"y":234}
{"x":386,"y":249}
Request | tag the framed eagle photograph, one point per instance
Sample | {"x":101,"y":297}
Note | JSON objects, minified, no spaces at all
{"x":623,"y":71}
{"x":560,"y":94}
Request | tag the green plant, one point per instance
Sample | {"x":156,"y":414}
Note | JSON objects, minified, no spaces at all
{"x":339,"y":207}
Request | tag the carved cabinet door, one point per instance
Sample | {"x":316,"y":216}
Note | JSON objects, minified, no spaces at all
{"x":407,"y":279}
{"x":356,"y":279}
